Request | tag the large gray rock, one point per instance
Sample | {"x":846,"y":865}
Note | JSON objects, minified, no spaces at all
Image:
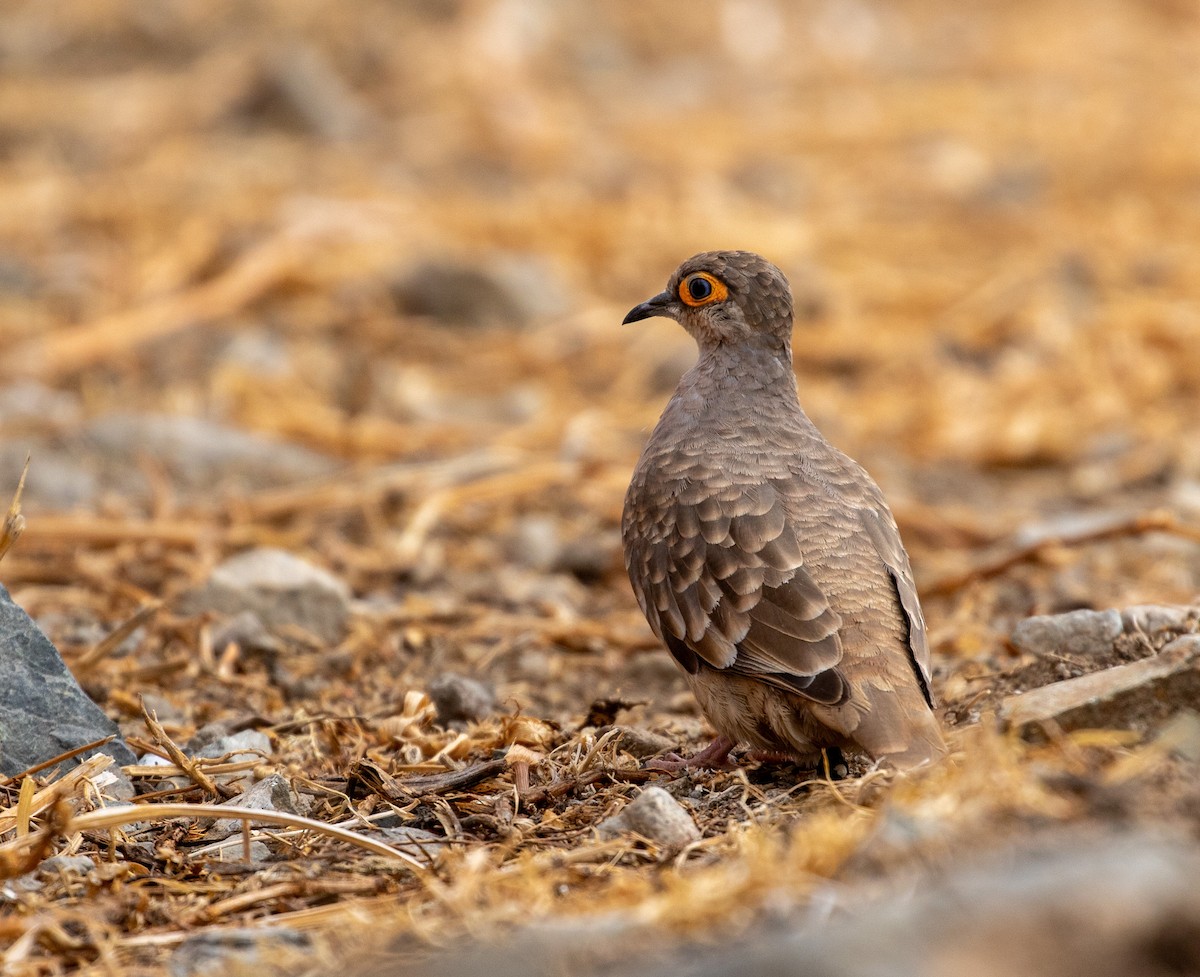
{"x":1133,"y":696}
{"x":43,"y":711}
{"x":1076,"y":633}
{"x":281,"y":589}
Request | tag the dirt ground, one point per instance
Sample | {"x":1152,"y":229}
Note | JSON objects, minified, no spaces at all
{"x":401,"y":237}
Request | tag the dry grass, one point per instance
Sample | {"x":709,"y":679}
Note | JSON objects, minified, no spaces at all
{"x":990,"y":216}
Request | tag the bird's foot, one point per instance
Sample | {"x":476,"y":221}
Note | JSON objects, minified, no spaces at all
{"x":715,"y":756}
{"x":829,"y":762}
{"x":832,"y":765}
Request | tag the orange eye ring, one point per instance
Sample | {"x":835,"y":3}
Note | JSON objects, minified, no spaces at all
{"x":701,"y":288}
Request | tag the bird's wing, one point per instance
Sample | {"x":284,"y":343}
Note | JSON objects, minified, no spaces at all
{"x":885,"y":537}
{"x":720,"y":575}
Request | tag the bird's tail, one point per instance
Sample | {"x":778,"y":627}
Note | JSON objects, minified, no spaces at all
{"x":901,"y":729}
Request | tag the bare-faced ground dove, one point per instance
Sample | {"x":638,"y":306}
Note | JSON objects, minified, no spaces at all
{"x":764,"y":559}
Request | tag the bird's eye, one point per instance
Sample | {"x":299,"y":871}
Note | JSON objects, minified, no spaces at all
{"x":702,"y":289}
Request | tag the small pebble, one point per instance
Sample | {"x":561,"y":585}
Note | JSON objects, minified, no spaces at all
{"x":656,"y":816}
{"x":642,"y":743}
{"x":460,"y":699}
{"x":273,"y":793}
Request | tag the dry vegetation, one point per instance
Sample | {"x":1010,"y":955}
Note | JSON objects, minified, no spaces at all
{"x":990,"y":213}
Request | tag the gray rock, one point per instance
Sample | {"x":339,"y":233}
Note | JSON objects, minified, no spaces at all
{"x":247,"y":745}
{"x":58,"y":480}
{"x":249,"y":633}
{"x":113,"y":787}
{"x":532,"y":282}
{"x":30,"y":404}
{"x":43,"y":711}
{"x":455,"y":295}
{"x":67,"y":864}
{"x":536,"y":542}
{"x":656,"y":816}
{"x":208,"y":733}
{"x":1074,"y":634}
{"x":643,"y":743}
{"x":297,"y":88}
{"x":18,"y":276}
{"x":272,"y":793}
{"x":504,"y":290}
{"x":196,"y":453}
{"x":75,"y":467}
{"x":234,"y":850}
{"x":51,"y":867}
{"x":163,"y":709}
{"x":281,"y":589}
{"x":1135,"y":696}
{"x":592,"y":556}
{"x":264,"y":951}
{"x":259,"y":351}
{"x":413,"y":841}
{"x":1153,"y":620}
{"x":460,"y":699}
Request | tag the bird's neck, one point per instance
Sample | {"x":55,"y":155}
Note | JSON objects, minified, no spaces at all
{"x":749,"y":370}
{"x":730,"y":389}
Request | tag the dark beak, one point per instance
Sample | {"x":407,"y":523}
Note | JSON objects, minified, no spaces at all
{"x":655,"y":306}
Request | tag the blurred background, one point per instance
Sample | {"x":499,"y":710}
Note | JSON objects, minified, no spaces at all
{"x":346,"y":279}
{"x":382,"y":250}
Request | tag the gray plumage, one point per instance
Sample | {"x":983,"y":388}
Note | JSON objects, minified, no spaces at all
{"x":766,"y":560}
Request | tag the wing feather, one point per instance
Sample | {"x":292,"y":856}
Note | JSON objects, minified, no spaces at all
{"x":725,"y":579}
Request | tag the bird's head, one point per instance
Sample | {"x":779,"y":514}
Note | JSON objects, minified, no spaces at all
{"x":723,"y":297}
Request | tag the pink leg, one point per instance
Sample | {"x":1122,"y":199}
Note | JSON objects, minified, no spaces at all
{"x":714,"y":756}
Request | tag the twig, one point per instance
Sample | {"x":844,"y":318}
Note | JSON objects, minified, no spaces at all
{"x":375,"y":779}
{"x":254,"y":274}
{"x":165,"y":770}
{"x":82,"y":530}
{"x":26,"y":852}
{"x":1150,"y":522}
{"x":309,"y":918}
{"x":583,"y":780}
{"x":28,"y":806}
{"x":105,"y":646}
{"x":340,"y":493}
{"x":600,"y":744}
{"x":14,"y":522}
{"x":54,"y":760}
{"x":115,"y":817}
{"x":180,"y":759}
{"x":281,"y":890}
{"x":502,"y":485}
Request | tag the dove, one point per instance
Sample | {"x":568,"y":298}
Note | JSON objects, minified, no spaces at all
{"x":764,"y":559}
